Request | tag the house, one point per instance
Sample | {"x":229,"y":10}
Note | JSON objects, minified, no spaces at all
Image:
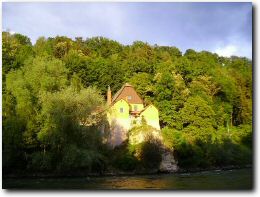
{"x":126,"y":110}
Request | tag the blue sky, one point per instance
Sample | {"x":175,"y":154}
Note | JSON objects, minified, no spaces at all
{"x":224,"y":28}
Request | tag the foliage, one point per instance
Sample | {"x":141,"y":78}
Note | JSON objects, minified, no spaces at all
{"x":220,"y":149}
{"x":150,"y":153}
{"x":53,"y":104}
{"x":41,"y":161}
{"x":124,"y":158}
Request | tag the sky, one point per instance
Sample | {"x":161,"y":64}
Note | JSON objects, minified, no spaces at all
{"x":223,"y":28}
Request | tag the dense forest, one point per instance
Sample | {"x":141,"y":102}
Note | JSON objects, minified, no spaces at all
{"x":51,"y":88}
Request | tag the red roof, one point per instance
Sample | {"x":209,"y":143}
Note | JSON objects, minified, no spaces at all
{"x":128,"y":93}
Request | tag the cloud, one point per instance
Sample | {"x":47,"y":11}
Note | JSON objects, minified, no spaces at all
{"x":222,"y":27}
{"x":235,"y":45}
{"x":226,"y":51}
{"x":69,"y":19}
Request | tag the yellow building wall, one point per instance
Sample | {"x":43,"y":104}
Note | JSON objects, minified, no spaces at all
{"x":151,"y":115}
{"x":115,"y":109}
{"x":119,"y":122}
{"x":140,"y":107}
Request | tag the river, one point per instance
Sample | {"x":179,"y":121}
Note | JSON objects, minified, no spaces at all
{"x":239,"y":179}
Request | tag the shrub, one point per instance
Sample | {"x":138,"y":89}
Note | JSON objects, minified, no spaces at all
{"x":124,"y":158}
{"x":150,"y":153}
{"x":126,"y":162}
{"x":41,"y":161}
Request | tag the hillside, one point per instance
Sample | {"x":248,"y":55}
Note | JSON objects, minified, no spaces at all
{"x":49,"y":88}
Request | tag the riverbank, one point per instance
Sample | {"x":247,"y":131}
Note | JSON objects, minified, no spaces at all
{"x":81,"y":174}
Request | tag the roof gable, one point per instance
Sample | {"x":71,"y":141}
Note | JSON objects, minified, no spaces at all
{"x":150,"y":105}
{"x":121,"y":100}
{"x":128,"y":93}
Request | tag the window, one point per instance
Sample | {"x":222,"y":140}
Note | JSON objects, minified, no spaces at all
{"x":121,"y":109}
{"x":129,"y":97}
{"x":135,"y":107}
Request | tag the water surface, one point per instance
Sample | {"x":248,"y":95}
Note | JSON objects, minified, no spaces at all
{"x":210,"y":180}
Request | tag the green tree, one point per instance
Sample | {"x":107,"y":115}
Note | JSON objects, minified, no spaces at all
{"x":197,"y":118}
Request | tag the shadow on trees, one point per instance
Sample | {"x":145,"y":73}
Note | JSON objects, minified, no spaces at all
{"x":142,"y":157}
{"x":220,"y":154}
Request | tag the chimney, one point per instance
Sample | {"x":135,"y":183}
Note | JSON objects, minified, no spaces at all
{"x":109,"y":96}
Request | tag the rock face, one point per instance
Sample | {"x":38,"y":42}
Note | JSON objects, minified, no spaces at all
{"x":168,"y":163}
{"x":140,"y":134}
